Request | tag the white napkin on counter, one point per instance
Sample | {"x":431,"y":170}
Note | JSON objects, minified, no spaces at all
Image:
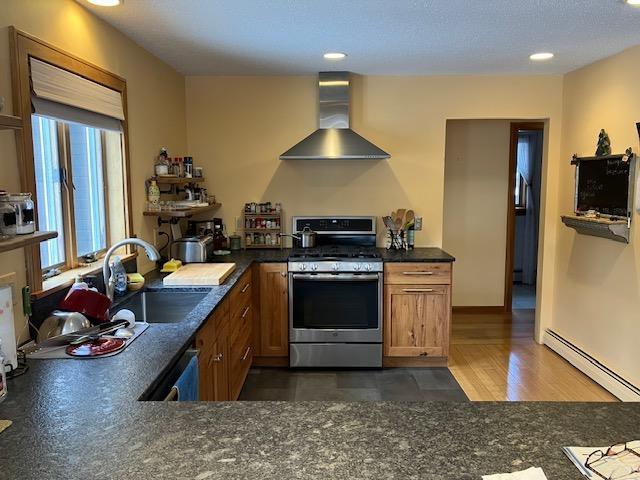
{"x":533,"y":473}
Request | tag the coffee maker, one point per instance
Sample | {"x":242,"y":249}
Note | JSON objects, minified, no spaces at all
{"x":220,"y":241}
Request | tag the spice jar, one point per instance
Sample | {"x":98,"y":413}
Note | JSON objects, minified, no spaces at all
{"x":24,"y":206}
{"x":7,"y":218}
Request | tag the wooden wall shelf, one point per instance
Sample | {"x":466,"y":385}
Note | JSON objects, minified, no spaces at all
{"x":617,"y":230}
{"x":187,"y":212}
{"x":10,"y":122}
{"x":20,"y":241}
{"x":176,"y":180}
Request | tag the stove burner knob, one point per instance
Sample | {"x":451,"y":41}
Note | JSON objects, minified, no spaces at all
{"x":335,"y":266}
{"x":356,"y":266}
{"x":314,"y":267}
{"x":368,"y":267}
{"x":303,"y":266}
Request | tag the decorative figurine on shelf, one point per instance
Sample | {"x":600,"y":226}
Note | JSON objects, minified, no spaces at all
{"x":604,"y":144}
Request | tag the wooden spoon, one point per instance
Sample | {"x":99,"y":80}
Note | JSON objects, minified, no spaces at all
{"x":401,"y":213}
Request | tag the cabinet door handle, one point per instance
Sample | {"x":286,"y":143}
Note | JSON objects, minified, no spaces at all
{"x":283,"y":274}
{"x":417,"y":290}
{"x":417,"y":273}
{"x":246,"y":354}
{"x":218,"y":357}
{"x":244,"y":314}
{"x":245,"y":288}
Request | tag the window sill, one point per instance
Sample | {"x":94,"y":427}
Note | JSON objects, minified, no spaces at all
{"x":66,"y":278}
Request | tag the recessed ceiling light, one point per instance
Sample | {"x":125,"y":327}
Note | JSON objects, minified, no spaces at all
{"x":334,"y":55}
{"x":541,"y":56}
{"x":634,"y":3}
{"x":105,"y":3}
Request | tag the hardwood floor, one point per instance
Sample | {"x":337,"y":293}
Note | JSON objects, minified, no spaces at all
{"x":494,"y":357}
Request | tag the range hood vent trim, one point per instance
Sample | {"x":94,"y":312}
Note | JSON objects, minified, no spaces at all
{"x":334,"y":140}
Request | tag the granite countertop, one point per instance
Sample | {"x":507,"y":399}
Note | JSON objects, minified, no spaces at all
{"x":81,"y":419}
{"x":308,"y":440}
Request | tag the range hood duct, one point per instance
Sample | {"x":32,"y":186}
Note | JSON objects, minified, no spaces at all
{"x":334,"y":140}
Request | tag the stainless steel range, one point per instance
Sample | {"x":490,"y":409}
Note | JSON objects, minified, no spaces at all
{"x":335,"y":295}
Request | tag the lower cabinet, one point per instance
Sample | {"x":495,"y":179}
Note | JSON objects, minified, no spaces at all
{"x":417,"y":312}
{"x":274,"y":310}
{"x":416,"y":320}
{"x":224,"y":343}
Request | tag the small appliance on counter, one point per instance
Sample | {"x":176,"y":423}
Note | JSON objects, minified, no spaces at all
{"x":194,"y":249}
{"x":220,"y":241}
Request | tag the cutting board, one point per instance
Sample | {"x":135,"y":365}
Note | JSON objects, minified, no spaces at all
{"x":200,"y":274}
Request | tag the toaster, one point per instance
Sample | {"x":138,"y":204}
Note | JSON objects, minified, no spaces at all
{"x":197,"y":249}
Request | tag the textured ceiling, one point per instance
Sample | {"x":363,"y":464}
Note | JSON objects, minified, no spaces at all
{"x":381,"y":37}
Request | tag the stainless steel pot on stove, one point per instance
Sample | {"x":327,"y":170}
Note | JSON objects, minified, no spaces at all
{"x":306,"y":237}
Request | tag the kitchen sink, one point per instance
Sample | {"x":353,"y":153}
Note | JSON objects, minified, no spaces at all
{"x":161,"y":306}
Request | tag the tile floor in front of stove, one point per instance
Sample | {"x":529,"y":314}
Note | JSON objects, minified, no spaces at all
{"x":394,"y":384}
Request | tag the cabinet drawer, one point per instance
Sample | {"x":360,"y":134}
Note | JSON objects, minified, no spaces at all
{"x":241,"y":322}
{"x":241,"y":356}
{"x":241,"y":293}
{"x":417,"y":273}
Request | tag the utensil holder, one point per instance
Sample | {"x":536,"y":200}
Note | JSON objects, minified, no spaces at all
{"x":396,"y":239}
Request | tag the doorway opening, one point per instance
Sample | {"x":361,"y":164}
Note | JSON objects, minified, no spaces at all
{"x":523,"y":220}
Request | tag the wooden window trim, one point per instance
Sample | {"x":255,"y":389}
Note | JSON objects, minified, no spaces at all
{"x":22,"y":47}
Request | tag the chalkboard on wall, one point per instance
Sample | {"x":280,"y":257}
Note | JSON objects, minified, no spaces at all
{"x":602,"y":185}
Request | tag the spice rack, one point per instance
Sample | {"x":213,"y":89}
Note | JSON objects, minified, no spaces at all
{"x":262,"y":226}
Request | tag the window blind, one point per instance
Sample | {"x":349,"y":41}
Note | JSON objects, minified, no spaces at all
{"x":66,"y":96}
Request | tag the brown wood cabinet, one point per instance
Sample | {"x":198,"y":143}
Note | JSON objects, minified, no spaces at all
{"x":211,"y":342}
{"x":224,"y":343}
{"x":274,"y":310}
{"x":417,"y":310}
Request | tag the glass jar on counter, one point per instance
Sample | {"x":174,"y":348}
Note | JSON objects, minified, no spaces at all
{"x":7,"y":218}
{"x":25,"y":218}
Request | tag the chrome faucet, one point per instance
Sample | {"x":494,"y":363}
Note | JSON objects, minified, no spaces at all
{"x":109,"y":281}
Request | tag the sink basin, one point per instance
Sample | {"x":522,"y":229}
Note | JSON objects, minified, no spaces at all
{"x":162,"y":306}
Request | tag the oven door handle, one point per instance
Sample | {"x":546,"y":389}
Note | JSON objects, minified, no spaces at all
{"x":328,"y":277}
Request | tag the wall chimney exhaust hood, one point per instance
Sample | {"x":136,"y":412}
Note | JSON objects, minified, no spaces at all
{"x":334,"y":140}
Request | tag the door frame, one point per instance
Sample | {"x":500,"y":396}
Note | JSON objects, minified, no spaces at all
{"x":511,"y":207}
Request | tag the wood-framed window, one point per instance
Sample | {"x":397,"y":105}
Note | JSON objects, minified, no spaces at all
{"x":76,"y":170}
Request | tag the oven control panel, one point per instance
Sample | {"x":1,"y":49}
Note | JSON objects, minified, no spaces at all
{"x":349,"y":266}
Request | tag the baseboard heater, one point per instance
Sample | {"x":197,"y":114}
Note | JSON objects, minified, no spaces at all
{"x":611,"y":381}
